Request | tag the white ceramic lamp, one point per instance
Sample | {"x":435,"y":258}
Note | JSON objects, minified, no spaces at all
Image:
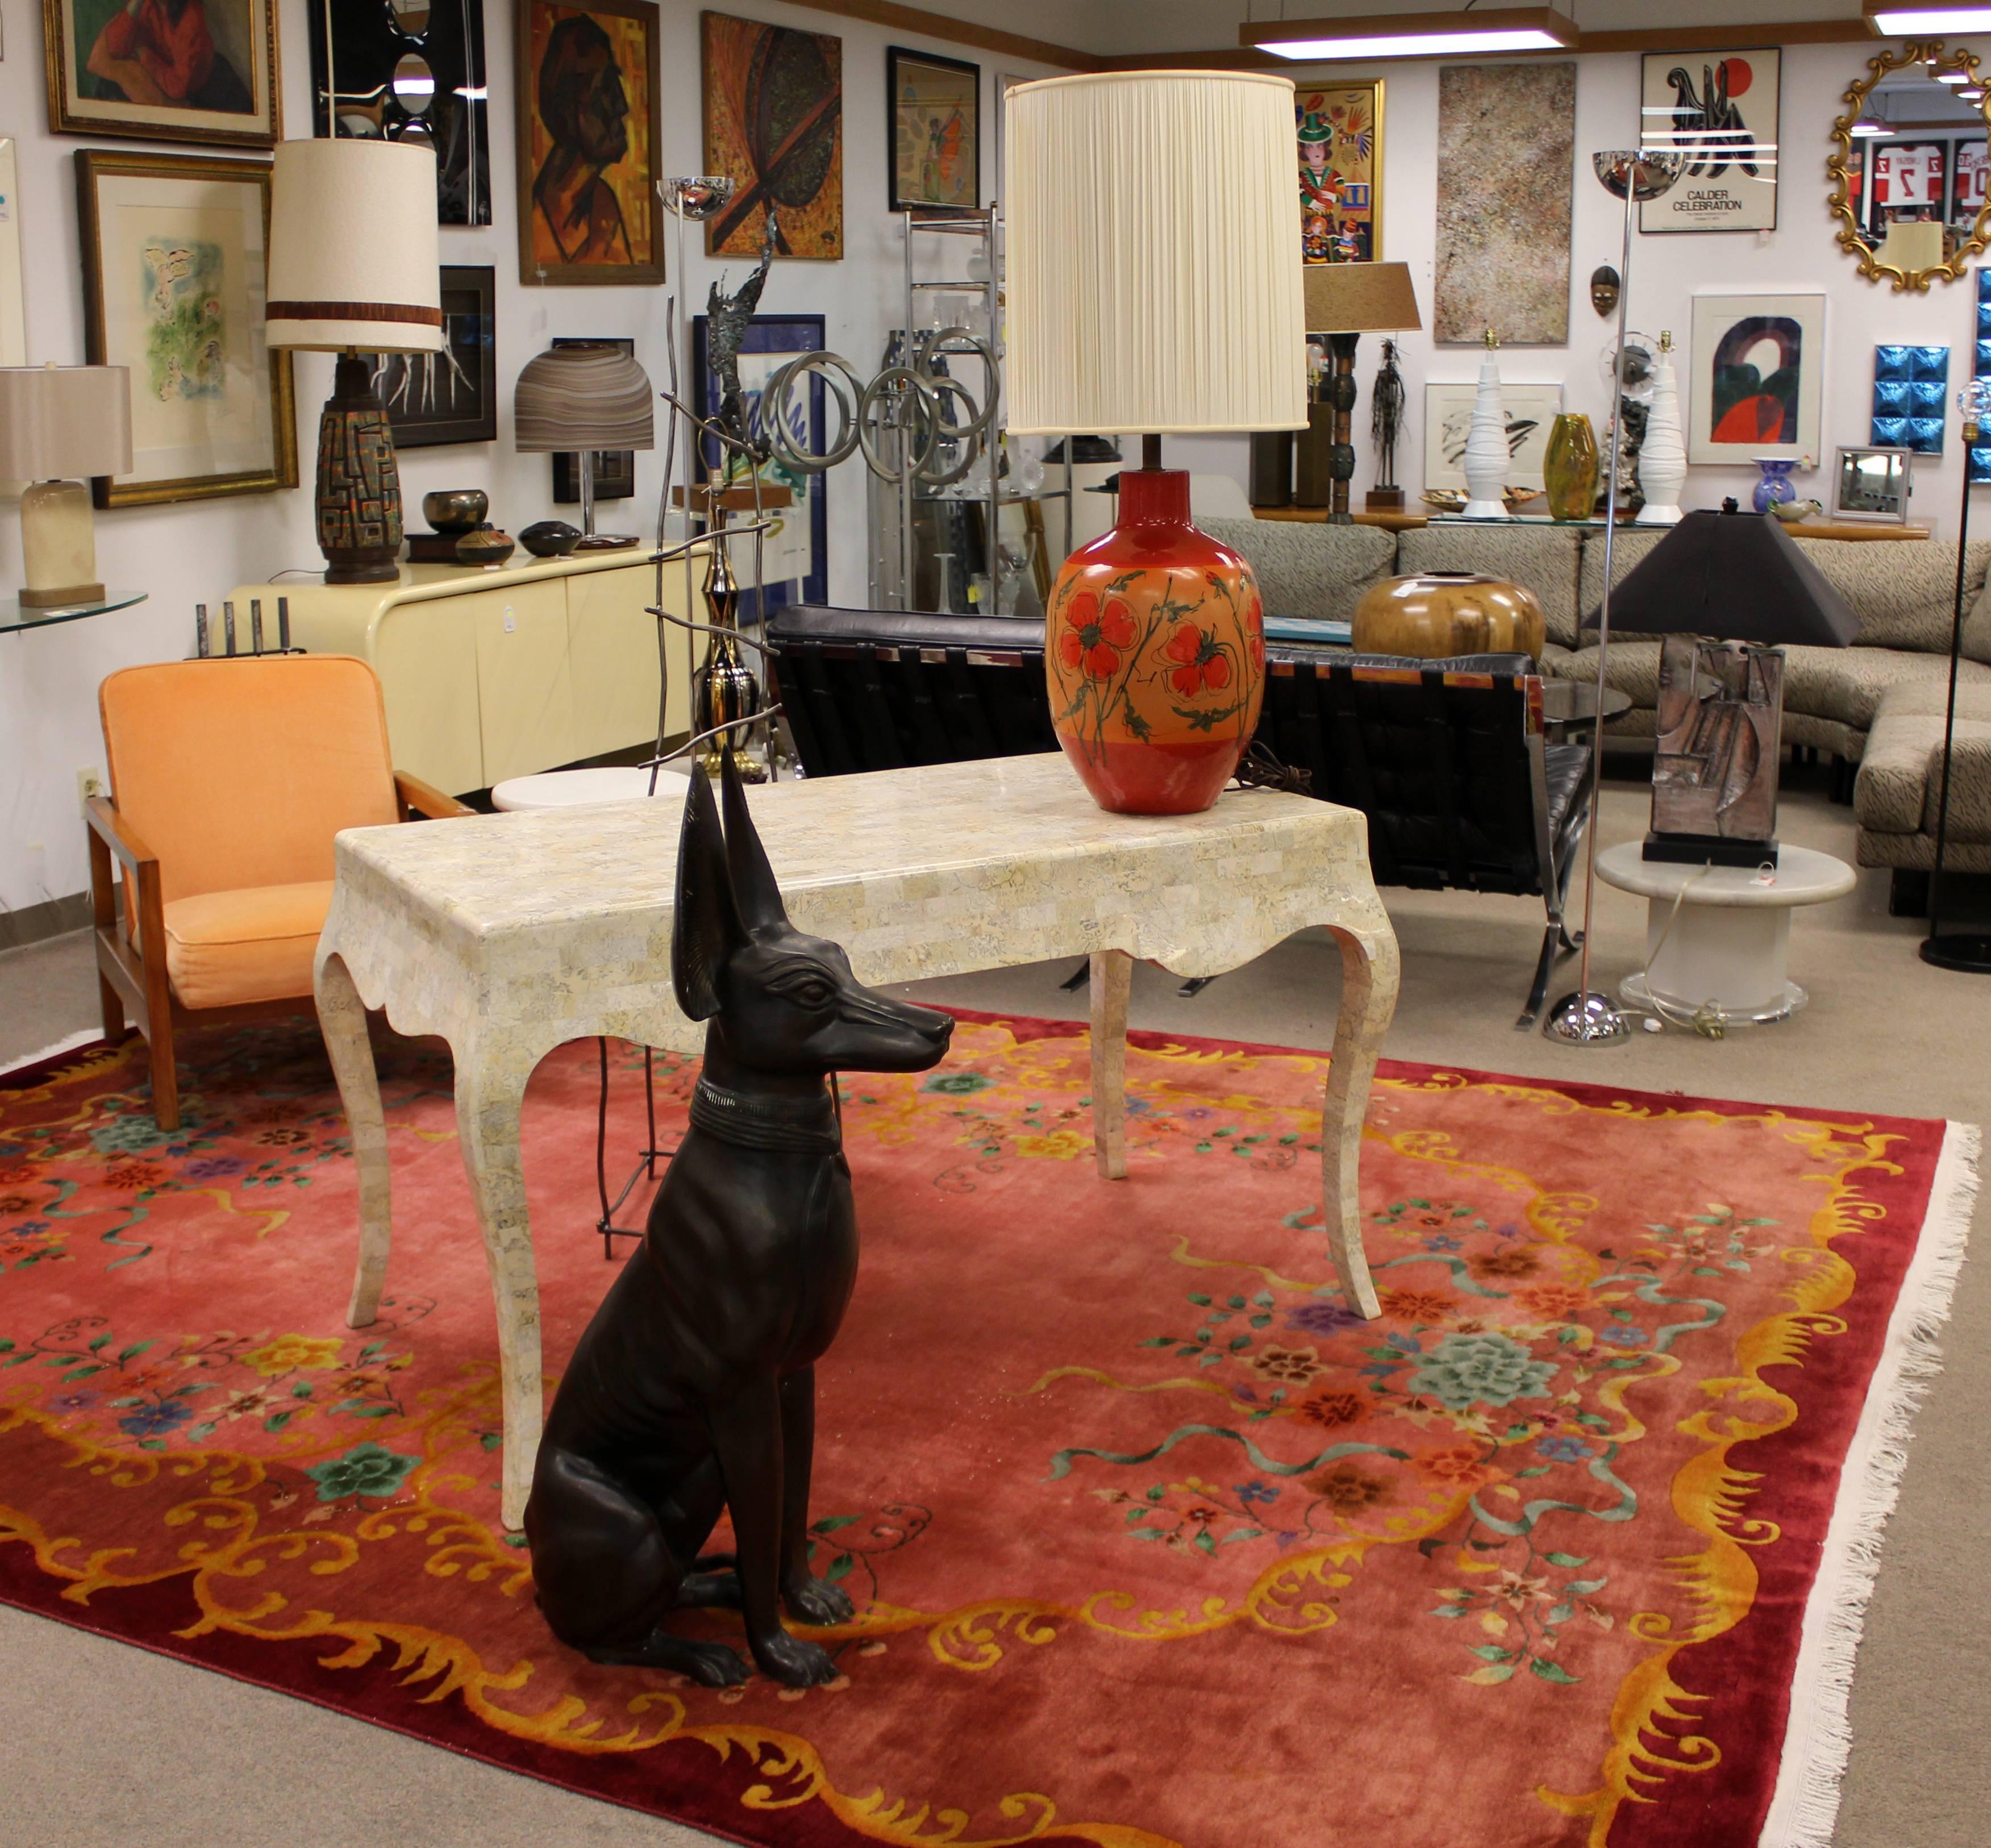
{"x":58,"y":425}
{"x":1488,"y":458}
{"x":1662,"y":455}
{"x":355,"y":268}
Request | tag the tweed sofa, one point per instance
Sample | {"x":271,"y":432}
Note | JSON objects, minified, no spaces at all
{"x":1894,"y":801}
{"x":1902,"y":590}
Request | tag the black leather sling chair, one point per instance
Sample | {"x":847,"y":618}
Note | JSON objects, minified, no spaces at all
{"x":1448,"y":759}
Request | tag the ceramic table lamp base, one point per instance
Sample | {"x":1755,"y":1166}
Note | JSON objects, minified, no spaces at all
{"x":58,"y":545}
{"x":1156,"y":656}
{"x":1488,"y":458}
{"x":359,"y":482}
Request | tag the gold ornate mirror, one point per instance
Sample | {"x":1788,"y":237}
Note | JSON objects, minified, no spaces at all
{"x":1908,"y":166}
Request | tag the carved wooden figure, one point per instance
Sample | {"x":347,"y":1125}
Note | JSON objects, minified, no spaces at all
{"x":693,"y":1389}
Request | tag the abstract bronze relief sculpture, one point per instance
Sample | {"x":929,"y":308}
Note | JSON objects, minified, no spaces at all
{"x":1714,"y":776}
{"x":693,"y":1390}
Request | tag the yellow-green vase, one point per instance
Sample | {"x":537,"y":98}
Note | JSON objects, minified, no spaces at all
{"x":1569,"y":472}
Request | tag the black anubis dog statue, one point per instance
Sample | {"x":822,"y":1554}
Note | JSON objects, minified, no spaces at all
{"x":693,"y":1389}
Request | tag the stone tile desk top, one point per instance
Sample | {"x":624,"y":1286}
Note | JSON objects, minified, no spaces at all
{"x":510,"y":934}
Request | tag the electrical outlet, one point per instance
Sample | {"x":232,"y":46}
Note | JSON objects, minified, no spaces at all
{"x":88,"y":782}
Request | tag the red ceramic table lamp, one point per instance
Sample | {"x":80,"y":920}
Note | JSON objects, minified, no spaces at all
{"x":1161,"y":295}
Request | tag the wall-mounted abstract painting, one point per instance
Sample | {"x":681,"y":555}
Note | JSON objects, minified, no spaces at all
{"x":773,"y":122}
{"x":936,"y":130}
{"x":1339,"y":131}
{"x":589,"y":130}
{"x":175,"y":266}
{"x":198,"y":70}
{"x":1757,"y":384}
{"x":1910,"y":398}
{"x":1506,"y":152}
{"x":411,"y":71}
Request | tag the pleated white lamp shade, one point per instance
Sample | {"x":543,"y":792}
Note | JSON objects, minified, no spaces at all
{"x":355,"y":257}
{"x":1154,"y":281}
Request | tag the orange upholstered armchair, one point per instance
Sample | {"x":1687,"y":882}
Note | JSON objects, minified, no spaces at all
{"x":229,"y":779}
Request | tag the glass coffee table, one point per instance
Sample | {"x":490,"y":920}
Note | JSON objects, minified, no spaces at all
{"x":1569,"y":707}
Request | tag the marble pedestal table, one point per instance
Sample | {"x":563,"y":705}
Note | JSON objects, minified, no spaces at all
{"x":510,"y":934}
{"x":1721,"y":935}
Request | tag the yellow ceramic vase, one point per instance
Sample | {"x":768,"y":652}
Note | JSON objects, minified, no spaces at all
{"x":1569,"y":471}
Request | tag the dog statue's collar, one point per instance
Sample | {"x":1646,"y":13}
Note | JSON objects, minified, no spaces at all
{"x":730,"y":1116}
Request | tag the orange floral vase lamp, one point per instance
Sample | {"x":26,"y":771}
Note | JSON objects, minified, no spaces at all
{"x":1155,"y":649}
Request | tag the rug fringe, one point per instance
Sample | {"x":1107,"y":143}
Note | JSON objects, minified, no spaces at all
{"x":1818,"y":1738}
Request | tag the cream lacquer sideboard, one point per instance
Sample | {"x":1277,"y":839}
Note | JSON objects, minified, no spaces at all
{"x":490,"y":673}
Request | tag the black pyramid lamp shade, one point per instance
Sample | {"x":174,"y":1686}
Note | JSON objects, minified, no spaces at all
{"x":1740,"y":577}
{"x":354,"y":268}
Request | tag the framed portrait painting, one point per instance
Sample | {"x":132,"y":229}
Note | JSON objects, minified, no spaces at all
{"x":168,"y":70}
{"x":174,"y":255}
{"x":795,"y":556}
{"x":1757,"y":379}
{"x":589,"y":131}
{"x":1529,"y":411}
{"x":774,"y":108}
{"x":1339,"y":129}
{"x":1719,"y":109}
{"x":451,"y":396}
{"x":935,"y":130}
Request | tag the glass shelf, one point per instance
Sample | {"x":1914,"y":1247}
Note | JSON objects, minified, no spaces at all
{"x":13,"y":614}
{"x":1529,"y":519}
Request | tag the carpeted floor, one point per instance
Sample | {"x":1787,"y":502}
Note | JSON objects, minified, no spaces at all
{"x":1137,"y":1514}
{"x":97,"y":1738}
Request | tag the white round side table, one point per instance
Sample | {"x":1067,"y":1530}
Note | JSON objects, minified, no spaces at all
{"x":571,"y":788}
{"x":1729,"y":941}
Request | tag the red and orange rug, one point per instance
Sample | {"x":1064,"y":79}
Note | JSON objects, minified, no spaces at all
{"x":1153,"y":1541}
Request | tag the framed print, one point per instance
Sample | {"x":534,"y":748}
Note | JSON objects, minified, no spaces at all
{"x":774,"y":110}
{"x":1720,"y":109}
{"x":795,"y":557}
{"x":1339,"y":128}
{"x":174,"y":250}
{"x":1756,"y":381}
{"x":1530,"y":409}
{"x":451,"y":396}
{"x":411,"y":70}
{"x":589,"y":130}
{"x":935,"y":130}
{"x":166,"y":70}
{"x":614,"y":469}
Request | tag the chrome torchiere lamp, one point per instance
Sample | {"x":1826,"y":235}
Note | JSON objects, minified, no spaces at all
{"x":1968,"y":952}
{"x":1634,"y":175}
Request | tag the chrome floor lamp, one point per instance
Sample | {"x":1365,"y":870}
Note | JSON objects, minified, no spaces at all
{"x":1634,"y":175}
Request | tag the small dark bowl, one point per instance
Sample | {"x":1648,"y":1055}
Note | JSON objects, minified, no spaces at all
{"x":487,"y":546}
{"x":549,"y":537}
{"x":455,"y":509}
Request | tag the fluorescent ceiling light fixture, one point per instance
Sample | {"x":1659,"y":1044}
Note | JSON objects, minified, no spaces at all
{"x":1414,"y":35}
{"x":1912,"y":22}
{"x":1951,"y":76}
{"x":1869,"y":124}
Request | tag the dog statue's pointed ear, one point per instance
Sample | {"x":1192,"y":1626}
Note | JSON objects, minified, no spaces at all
{"x":754,"y":890}
{"x":706,"y":929}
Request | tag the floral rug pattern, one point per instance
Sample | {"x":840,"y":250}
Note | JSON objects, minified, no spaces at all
{"x":1152,"y":1540}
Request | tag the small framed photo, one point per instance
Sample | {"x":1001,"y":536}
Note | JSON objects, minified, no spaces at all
{"x":175,"y":261}
{"x":1872,"y":484}
{"x":451,"y":396}
{"x":203,"y":70}
{"x":614,"y":469}
{"x":936,"y":131}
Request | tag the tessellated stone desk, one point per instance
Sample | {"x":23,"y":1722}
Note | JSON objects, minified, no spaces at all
{"x":510,"y":934}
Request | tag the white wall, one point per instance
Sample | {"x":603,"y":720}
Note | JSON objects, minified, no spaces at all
{"x":197,"y":552}
{"x":1667,"y":271}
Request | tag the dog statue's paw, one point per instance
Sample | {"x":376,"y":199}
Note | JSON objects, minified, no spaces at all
{"x":793,"y":1659}
{"x":816,"y":1601}
{"x":714,"y":1664}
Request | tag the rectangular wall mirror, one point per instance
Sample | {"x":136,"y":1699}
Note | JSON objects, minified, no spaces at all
{"x":1871,"y":484}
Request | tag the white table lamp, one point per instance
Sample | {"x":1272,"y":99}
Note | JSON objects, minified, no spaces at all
{"x":355,"y":268}
{"x":59,"y":425}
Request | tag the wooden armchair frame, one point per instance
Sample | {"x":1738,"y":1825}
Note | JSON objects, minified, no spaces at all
{"x":132,"y":966}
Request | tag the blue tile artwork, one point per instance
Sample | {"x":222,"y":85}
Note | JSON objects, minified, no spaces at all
{"x":1910,"y":386}
{"x":1980,"y":366}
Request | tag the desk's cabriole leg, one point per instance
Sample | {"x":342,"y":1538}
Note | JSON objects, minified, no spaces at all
{"x":341,"y":1018}
{"x":1369,"y":967}
{"x":1112,"y":978}
{"x":487,"y":1125}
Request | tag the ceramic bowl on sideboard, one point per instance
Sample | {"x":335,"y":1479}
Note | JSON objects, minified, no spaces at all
{"x":455,"y":509}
